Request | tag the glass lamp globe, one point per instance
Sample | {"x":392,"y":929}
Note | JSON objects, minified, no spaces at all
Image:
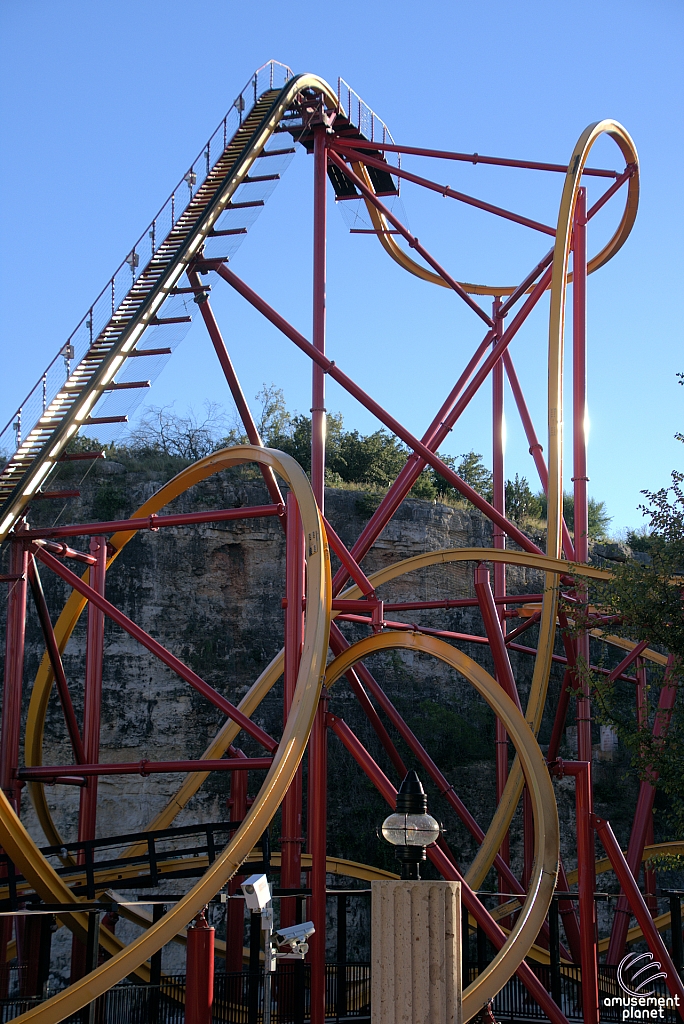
{"x":410,"y":829}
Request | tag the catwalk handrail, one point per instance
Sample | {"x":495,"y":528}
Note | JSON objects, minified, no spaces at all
{"x":268,"y":76}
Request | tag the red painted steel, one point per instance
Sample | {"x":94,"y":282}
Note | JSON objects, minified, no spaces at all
{"x":146,"y":768}
{"x":159,"y":651}
{"x":318,"y":420}
{"x":490,"y":357}
{"x":14,"y":671}
{"x":446,"y":190}
{"x":291,"y":831}
{"x":536,"y":448}
{"x":368,"y":194}
{"x":235,"y":909}
{"x":92,"y":702}
{"x":417,"y":749}
{"x":338,"y":643}
{"x":435,"y":434}
{"x":234,"y":385}
{"x":586,"y":883}
{"x":447,"y":869}
{"x":199,"y":983}
{"x":642,"y":815}
{"x":56,"y":663}
{"x":152,"y":522}
{"x":495,"y":636}
{"x":317,"y":830}
{"x":470,"y":158}
{"x":350,"y":564}
{"x":11,"y":707}
{"x":639,"y":908}
{"x":389,"y":421}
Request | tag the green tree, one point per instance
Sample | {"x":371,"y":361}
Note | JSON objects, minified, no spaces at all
{"x":598,"y":518}
{"x":521,"y":503}
{"x":647,"y":595}
{"x":471,"y":469}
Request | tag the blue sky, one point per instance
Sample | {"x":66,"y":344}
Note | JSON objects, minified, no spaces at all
{"x":103,"y":106}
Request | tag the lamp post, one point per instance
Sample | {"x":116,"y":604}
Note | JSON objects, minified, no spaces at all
{"x":410,"y":829}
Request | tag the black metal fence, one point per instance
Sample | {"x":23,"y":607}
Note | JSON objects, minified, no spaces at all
{"x":238,"y":999}
{"x":514,"y":1004}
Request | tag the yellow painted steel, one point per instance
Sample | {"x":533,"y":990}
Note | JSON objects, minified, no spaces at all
{"x":296,"y":732}
{"x":28,"y":858}
{"x":546,"y":833}
{"x":392,"y":247}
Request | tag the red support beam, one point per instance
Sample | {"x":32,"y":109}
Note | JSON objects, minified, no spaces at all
{"x":15,"y":631}
{"x":199,"y":988}
{"x":14,"y":673}
{"x":495,"y":636}
{"x":412,"y":241}
{"x":317,"y":843}
{"x":235,"y":909}
{"x":417,"y":749}
{"x":389,"y":421}
{"x":92,"y":704}
{"x":642,"y":817}
{"x":234,"y":384}
{"x":58,"y":672}
{"x":291,"y":829}
{"x":338,"y":643}
{"x":351,"y":565}
{"x":639,"y":909}
{"x":469,"y":158}
{"x":447,"y":868}
{"x":318,"y":418}
{"x":536,"y":448}
{"x":152,"y":522}
{"x":586,"y":882}
{"x":446,"y":190}
{"x":95,"y":770}
{"x":177,"y":666}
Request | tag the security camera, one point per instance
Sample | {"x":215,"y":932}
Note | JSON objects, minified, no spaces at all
{"x":257,"y":892}
{"x":295,"y":934}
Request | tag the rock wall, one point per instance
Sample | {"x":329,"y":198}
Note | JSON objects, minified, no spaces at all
{"x":212,"y":594}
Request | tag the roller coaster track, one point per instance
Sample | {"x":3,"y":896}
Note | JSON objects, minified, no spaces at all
{"x":116,"y":329}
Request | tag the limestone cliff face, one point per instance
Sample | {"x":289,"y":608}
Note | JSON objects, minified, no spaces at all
{"x":212,"y":594}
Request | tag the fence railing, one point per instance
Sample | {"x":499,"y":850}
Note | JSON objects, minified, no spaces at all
{"x":514,"y":1003}
{"x":360,"y":114}
{"x":272,"y":75}
{"x":238,"y":998}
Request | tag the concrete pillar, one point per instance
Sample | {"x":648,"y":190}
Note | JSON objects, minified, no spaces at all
{"x":416,"y":952}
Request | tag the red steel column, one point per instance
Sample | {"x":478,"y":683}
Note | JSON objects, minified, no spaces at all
{"x":14,"y":673}
{"x":235,"y":910}
{"x":11,"y":708}
{"x":499,"y":541}
{"x":92,"y":701}
{"x":317,"y":829}
{"x":199,"y":982}
{"x":291,"y":833}
{"x":579,"y":464}
{"x":586,"y":884}
{"x":318,"y":421}
{"x":642,"y":720}
{"x":642,"y":817}
{"x":640,"y":910}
